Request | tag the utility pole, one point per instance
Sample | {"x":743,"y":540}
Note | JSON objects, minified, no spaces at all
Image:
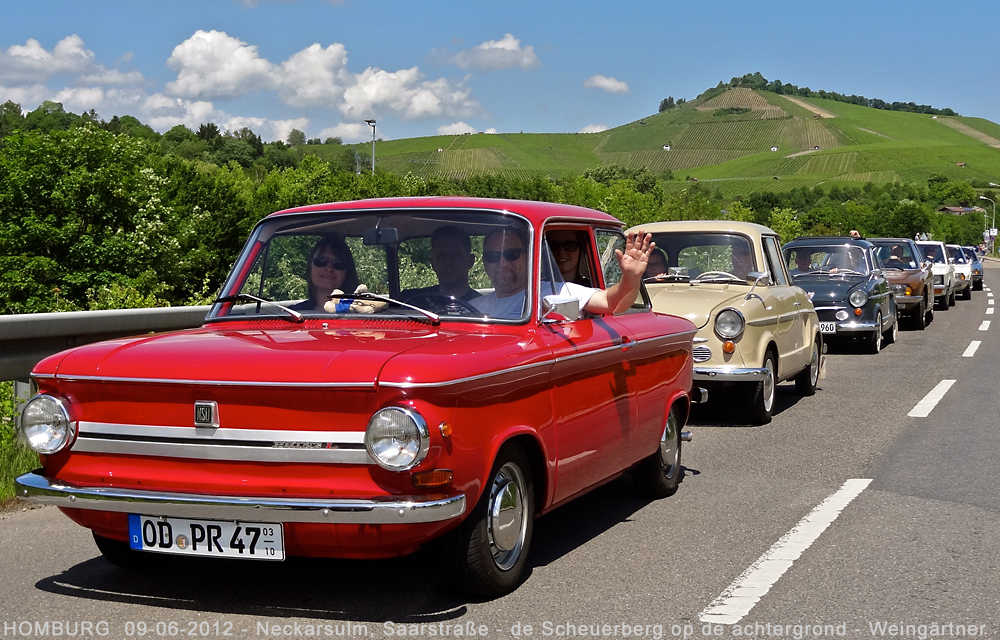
{"x":371,"y":123}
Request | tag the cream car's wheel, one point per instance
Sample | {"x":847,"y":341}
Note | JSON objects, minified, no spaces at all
{"x":490,"y":548}
{"x":762,"y":393}
{"x":808,"y":379}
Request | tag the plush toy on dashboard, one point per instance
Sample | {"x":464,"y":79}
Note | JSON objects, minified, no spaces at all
{"x":338,"y":303}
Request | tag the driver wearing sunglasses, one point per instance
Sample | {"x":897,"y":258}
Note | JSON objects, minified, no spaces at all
{"x":505,"y":259}
{"x":330,"y":266}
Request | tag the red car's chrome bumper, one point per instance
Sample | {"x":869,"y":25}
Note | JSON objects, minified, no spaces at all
{"x":380,"y":510}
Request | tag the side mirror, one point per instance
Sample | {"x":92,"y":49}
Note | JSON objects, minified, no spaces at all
{"x":560,"y":309}
{"x":951,"y":261}
{"x":758,"y":278}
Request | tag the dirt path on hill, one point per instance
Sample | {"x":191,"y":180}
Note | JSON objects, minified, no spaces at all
{"x":969,"y":131}
{"x":805,"y":105}
{"x":801,"y":153}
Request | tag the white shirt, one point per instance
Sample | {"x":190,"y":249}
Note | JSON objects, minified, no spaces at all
{"x":512,"y":307}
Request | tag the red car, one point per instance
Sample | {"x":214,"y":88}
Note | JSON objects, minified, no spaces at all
{"x":310,"y":416}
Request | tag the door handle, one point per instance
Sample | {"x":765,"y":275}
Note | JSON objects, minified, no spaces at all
{"x":626,"y":343}
{"x":798,"y":304}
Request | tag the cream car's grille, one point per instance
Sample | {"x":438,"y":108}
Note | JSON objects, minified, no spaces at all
{"x":701,"y":353}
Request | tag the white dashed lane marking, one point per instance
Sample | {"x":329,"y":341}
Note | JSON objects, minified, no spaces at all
{"x":747,"y":590}
{"x":971,"y":349}
{"x":989,"y":311}
{"x":990,"y":301}
{"x":925,"y":406}
{"x":985,"y":325}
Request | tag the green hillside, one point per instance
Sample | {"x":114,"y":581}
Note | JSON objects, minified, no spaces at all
{"x":727,"y":141}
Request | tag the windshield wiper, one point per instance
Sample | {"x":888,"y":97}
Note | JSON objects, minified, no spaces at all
{"x":432,"y":318}
{"x":295,"y":315}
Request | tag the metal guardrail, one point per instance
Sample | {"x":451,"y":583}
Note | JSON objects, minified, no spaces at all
{"x":28,"y":338}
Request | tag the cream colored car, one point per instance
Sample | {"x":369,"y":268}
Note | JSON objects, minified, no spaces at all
{"x":755,"y":328}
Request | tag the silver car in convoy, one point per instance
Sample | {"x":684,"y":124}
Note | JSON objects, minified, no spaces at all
{"x":977,"y":268}
{"x":943,"y":270}
{"x":963,"y":270}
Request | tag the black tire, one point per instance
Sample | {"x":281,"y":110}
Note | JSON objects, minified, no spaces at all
{"x":944,"y":306}
{"x":658,"y":475}
{"x":121,"y":555}
{"x":488,"y":558}
{"x":951,"y":299}
{"x":807,"y":379}
{"x":930,"y":314}
{"x":919,"y":319}
{"x":873,"y":343}
{"x":762,"y":393}
{"x":890,"y":336}
{"x":967,"y":293}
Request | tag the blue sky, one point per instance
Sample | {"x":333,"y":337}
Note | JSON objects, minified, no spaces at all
{"x":424,"y":68}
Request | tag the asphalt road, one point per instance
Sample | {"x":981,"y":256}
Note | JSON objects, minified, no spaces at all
{"x":749,"y":530}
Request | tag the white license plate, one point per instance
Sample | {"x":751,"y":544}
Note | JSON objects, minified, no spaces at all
{"x":212,"y":538}
{"x":828,"y":327}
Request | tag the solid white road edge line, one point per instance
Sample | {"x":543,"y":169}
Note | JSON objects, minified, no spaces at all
{"x":925,"y":406}
{"x":985,"y":325}
{"x":747,"y":590}
{"x":971,"y":349}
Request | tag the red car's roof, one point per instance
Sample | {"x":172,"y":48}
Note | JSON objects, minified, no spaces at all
{"x":535,"y":212}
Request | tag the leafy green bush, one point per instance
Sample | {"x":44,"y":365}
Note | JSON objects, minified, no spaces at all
{"x":15,"y":457}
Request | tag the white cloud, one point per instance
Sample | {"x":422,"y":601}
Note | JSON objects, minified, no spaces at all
{"x":213,"y":64}
{"x":112,"y":77}
{"x":611,"y":85}
{"x":456,"y":128}
{"x":348,"y":132}
{"x":315,"y":77}
{"x":163,"y":112}
{"x":404,"y":92}
{"x":32,"y":95}
{"x":495,"y":55}
{"x":594,"y":128}
{"x":30,"y":63}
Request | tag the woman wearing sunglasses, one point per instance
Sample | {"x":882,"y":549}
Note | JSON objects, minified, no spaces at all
{"x":567,"y":248}
{"x":330,"y":266}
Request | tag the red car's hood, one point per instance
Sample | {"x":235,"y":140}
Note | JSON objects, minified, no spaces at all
{"x":287,"y":355}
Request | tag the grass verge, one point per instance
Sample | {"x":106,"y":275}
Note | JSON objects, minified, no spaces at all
{"x":15,"y":457}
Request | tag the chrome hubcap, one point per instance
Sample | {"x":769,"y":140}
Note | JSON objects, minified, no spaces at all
{"x":507,"y":518}
{"x":670,"y":448}
{"x":768,"y":385}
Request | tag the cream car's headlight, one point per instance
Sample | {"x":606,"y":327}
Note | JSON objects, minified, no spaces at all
{"x":857,"y":298}
{"x":397,"y":438}
{"x":45,"y":424}
{"x":729,"y":324}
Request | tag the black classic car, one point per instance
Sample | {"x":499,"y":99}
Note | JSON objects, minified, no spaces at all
{"x":845,"y":279}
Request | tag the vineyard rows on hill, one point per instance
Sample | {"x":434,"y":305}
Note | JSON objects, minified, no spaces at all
{"x":829,"y":163}
{"x":751,"y":135}
{"x":739,"y":97}
{"x":675,"y":159}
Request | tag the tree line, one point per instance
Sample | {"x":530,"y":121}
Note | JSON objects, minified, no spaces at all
{"x":759,"y":82}
{"x":98,"y":215}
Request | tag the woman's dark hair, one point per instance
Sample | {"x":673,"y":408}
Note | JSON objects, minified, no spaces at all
{"x":336,"y":244}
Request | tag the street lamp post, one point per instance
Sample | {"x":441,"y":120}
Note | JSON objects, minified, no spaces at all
{"x":994,"y":225}
{"x":371,"y":123}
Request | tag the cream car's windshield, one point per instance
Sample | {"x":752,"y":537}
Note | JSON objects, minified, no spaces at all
{"x":705,"y":257}
{"x":392,"y":264}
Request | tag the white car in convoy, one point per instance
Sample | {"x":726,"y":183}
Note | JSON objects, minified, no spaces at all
{"x":963,"y":270}
{"x":944,"y":272}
